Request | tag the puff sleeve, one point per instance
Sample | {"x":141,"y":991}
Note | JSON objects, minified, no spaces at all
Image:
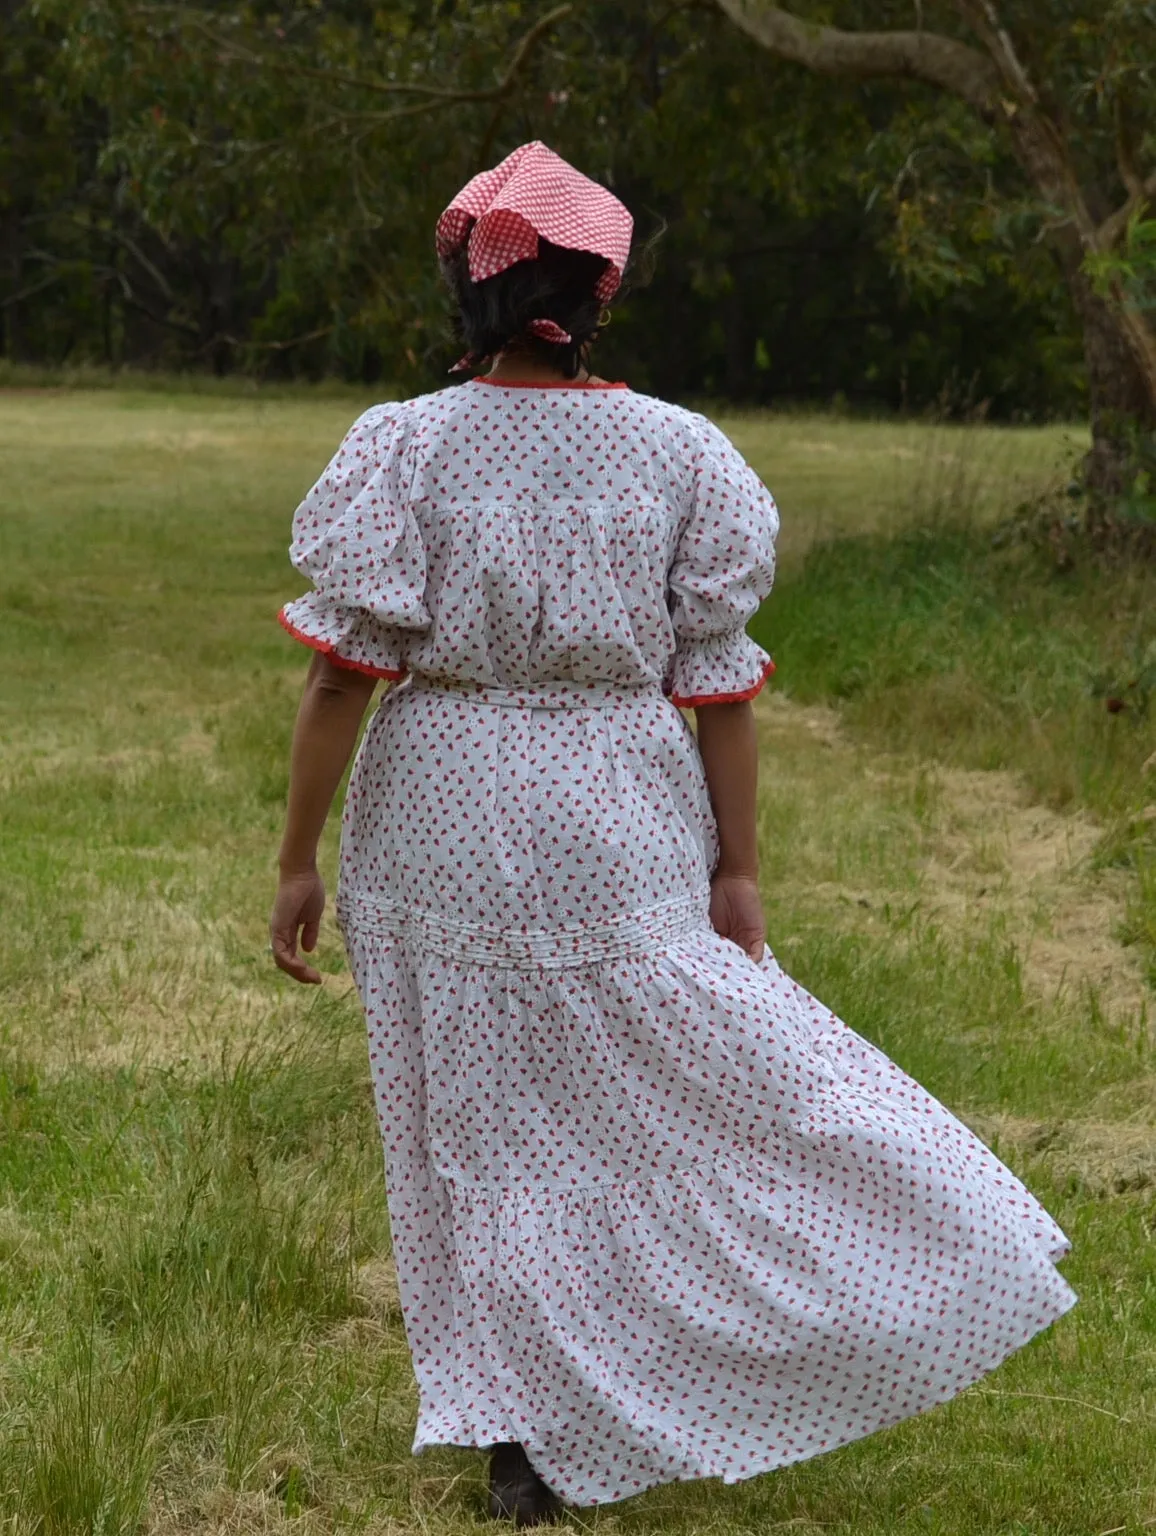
{"x":356,"y":539}
{"x":723,"y":567}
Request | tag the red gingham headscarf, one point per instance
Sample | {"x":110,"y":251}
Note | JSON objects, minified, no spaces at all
{"x":533,"y":193}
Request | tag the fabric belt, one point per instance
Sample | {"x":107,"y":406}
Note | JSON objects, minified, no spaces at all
{"x":561,"y":694}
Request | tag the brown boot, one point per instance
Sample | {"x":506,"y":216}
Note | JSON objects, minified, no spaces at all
{"x":517,"y":1493}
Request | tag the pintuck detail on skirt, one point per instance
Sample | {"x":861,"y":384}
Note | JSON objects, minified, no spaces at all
{"x":576,"y":943}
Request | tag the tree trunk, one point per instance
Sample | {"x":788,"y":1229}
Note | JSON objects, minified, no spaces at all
{"x":1119,"y":343}
{"x":1122,"y":398}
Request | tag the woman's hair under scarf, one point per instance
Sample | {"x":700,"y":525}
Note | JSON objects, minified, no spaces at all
{"x":534,"y":197}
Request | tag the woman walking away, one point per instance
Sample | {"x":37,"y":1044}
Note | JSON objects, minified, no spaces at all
{"x":656,"y":1213}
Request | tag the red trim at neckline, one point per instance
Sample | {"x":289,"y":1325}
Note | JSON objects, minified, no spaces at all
{"x":327,"y":648}
{"x":543,"y":384}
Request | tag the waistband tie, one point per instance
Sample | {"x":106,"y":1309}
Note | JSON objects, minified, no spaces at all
{"x":559,"y":694}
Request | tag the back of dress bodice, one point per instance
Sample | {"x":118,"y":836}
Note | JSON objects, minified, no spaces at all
{"x":516,"y":536}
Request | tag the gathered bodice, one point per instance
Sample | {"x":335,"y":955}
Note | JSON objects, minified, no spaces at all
{"x":514,"y":536}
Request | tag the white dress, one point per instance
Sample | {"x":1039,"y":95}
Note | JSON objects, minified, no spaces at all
{"x":656,"y":1213}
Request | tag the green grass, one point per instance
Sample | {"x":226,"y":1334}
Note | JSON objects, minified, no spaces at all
{"x":942,"y":641}
{"x":933,"y":638}
{"x":20,"y":377}
{"x":200,"y":1329}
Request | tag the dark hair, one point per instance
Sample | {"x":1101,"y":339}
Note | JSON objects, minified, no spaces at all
{"x":558,"y":284}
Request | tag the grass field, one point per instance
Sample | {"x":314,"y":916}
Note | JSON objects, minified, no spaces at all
{"x":199,"y":1323}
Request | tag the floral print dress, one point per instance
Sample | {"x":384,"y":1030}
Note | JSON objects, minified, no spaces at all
{"x":656,"y":1212}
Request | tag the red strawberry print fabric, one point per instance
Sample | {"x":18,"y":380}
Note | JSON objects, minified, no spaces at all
{"x":656,"y":1212}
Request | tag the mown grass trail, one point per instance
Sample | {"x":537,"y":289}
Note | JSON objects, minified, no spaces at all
{"x":199,"y":1326}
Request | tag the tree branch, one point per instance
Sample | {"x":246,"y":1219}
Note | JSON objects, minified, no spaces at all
{"x":985,"y":19}
{"x":134,"y":250}
{"x":530,"y":41}
{"x":28,"y":293}
{"x":434,"y":95}
{"x":169,"y":322}
{"x":270,"y":346}
{"x":1126,"y":154}
{"x":1116,"y":223}
{"x":501,"y":95}
{"x":927,"y":56}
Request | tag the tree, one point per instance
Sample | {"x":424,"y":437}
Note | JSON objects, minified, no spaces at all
{"x":262,"y":167}
{"x":1071,"y":86}
{"x":259,"y":182}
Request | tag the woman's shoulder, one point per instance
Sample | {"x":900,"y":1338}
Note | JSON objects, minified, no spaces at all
{"x":687,"y":434}
{"x":688,"y":431}
{"x":379,"y":418}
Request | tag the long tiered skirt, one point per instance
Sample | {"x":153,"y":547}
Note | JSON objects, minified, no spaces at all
{"x":656,"y":1212}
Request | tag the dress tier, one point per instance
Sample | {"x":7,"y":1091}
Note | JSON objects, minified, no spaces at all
{"x":656,"y":1213}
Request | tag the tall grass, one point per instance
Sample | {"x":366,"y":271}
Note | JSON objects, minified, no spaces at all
{"x":189,"y":1239}
{"x":948,"y":639}
{"x":937,"y":641}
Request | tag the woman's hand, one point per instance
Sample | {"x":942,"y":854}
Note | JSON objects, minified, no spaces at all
{"x":332,"y":706}
{"x":736,"y":912}
{"x":299,"y":904}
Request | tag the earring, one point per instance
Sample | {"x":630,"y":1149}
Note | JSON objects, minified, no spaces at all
{"x":604,"y":318}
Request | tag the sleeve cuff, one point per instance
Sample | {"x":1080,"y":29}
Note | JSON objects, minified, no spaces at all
{"x":348,"y":636}
{"x":720,"y":669}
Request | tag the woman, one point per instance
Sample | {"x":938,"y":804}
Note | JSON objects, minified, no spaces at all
{"x":656,"y":1213}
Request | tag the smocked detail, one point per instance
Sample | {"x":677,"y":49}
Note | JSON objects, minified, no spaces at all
{"x":372,"y":665}
{"x":570,"y":944}
{"x":550,"y":384}
{"x":597,"y":537}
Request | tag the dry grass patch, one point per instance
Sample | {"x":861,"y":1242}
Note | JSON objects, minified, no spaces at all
{"x":1098,"y":1157}
{"x":995,"y":850}
{"x":968,"y":848}
{"x":234,"y":1512}
{"x":157,"y":982}
{"x":376,"y":1285}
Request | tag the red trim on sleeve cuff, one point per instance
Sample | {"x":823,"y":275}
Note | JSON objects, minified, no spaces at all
{"x":327,"y":649}
{"x":697,"y":701}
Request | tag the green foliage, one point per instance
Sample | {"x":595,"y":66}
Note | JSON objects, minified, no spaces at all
{"x":254,"y":187}
{"x":1131,"y":265}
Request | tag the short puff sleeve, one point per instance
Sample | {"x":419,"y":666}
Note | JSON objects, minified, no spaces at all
{"x":723,"y":567}
{"x":356,"y":539}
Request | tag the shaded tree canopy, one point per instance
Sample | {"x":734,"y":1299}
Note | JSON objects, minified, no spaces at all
{"x":255,"y":187}
{"x":1067,"y":85}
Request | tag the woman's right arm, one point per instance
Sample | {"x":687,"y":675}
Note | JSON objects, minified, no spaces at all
{"x":332,"y":707}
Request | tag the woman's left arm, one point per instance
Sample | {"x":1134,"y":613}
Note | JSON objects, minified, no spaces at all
{"x":728,"y":743}
{"x":332,"y":707}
